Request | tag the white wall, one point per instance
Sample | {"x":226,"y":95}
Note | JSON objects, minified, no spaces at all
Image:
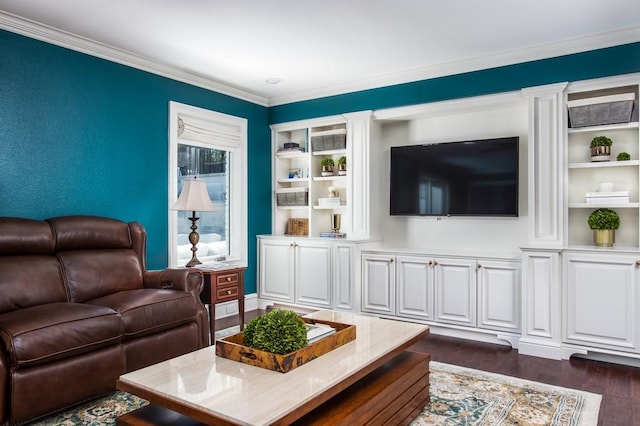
{"x":484,"y":236}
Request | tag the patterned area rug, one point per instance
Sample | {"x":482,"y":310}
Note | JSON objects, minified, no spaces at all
{"x":459,"y":396}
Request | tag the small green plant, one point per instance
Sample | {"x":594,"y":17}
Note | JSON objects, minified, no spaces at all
{"x":600,"y":141}
{"x":327,"y":161}
{"x":280,"y":331}
{"x":604,"y":219}
{"x":623,"y":156}
{"x":342,"y":160}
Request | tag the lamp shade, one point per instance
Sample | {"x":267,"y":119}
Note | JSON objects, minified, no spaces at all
{"x":194,"y":197}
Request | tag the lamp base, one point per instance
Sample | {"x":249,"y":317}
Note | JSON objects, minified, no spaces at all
{"x":194,"y":238}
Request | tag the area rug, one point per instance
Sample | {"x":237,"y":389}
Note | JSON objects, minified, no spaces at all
{"x":459,"y":396}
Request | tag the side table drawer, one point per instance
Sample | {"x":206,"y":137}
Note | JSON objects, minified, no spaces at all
{"x":233,"y":277}
{"x":229,"y":292}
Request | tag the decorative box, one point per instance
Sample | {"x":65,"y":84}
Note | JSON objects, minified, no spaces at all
{"x":601,"y":110}
{"x":616,"y":197}
{"x":329,"y":202}
{"x":233,"y":348}
{"x":328,"y":142}
{"x":297,"y":226}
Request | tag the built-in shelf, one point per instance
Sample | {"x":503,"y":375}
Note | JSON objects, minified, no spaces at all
{"x":609,"y":206}
{"x":330,"y":152}
{"x":598,"y":164}
{"x":294,"y":180}
{"x":293,"y":207}
{"x":341,"y":206}
{"x":319,"y":178}
{"x":608,"y":127}
{"x":292,"y":154}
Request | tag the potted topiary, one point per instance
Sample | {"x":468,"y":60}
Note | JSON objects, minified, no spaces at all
{"x":342,"y":166}
{"x":623,"y":156}
{"x":280,"y":331}
{"x":600,"y":148}
{"x":327,"y":164}
{"x":604,"y":223}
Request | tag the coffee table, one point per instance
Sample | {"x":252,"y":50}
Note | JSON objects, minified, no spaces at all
{"x":371,"y":379}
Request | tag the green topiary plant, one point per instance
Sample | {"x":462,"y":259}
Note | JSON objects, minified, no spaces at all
{"x":604,"y":219}
{"x":327,"y":161}
{"x":342,"y":160}
{"x":280,"y":331}
{"x":623,"y":156}
{"x":600,"y":141}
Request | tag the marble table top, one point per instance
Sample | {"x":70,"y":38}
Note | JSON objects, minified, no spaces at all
{"x":251,"y":395}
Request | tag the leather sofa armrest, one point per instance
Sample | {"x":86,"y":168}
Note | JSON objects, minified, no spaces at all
{"x":189,"y":280}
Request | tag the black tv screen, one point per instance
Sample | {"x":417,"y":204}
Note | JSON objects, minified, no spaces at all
{"x":466,"y":178}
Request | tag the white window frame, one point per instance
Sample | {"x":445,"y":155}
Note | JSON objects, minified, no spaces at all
{"x":238,"y":214}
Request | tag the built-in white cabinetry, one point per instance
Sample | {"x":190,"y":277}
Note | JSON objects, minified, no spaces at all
{"x":468,"y":292}
{"x":415,"y":287}
{"x":499,"y":295}
{"x":379,"y":289}
{"x":601,"y":296}
{"x":455,"y":291}
{"x":296,"y":271}
{"x":309,"y":271}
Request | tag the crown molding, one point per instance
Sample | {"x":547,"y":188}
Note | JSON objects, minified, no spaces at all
{"x":70,"y":41}
{"x":567,"y":47}
{"x":67,"y":40}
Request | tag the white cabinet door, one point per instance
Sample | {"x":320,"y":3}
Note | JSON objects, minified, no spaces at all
{"x":455,"y":291}
{"x":379,"y":286}
{"x":343,"y":277}
{"x":601,"y":297}
{"x":313,"y":273}
{"x":276,"y":269}
{"x":499,"y":295}
{"x":415,"y":286}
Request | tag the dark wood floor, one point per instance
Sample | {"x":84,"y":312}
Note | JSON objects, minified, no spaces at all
{"x":619,"y":385}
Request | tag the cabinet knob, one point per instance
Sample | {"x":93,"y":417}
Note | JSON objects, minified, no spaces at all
{"x":435,"y":263}
{"x":391,"y":260}
{"x":430,"y":263}
{"x":229,"y":279}
{"x":479,"y":266}
{"x":229,"y":292}
{"x":637,"y":262}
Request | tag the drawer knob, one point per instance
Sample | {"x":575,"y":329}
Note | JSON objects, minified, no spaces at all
{"x":229,"y":292}
{"x":229,"y":279}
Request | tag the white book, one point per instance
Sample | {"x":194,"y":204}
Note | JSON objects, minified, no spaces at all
{"x":316,"y":332}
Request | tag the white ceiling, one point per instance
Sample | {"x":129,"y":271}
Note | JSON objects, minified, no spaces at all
{"x":325,"y":47}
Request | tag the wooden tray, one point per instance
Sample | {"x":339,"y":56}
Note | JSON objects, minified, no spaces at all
{"x":232,"y":347}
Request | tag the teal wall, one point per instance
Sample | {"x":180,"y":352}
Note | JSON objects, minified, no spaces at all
{"x":81,"y":135}
{"x":580,"y":66}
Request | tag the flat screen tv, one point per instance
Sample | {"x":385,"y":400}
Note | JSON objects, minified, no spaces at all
{"x":466,"y":178}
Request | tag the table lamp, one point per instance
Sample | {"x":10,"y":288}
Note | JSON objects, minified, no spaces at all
{"x":194,"y":197}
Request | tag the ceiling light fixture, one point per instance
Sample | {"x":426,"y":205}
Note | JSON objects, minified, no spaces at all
{"x":273,"y":80}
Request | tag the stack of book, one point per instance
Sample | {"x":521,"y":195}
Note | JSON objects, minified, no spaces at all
{"x":316,"y":332}
{"x":616,"y":197}
{"x":333,"y":235}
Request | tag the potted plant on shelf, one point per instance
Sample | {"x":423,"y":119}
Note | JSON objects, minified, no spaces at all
{"x":604,"y":223}
{"x":327,"y":164}
{"x":600,"y":148}
{"x":623,"y":156}
{"x":342,"y":166}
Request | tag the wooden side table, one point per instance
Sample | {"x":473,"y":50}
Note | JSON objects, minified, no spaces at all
{"x":223,"y":285}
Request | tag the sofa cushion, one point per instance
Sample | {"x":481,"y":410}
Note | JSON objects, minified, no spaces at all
{"x":25,"y":236}
{"x":89,"y":232}
{"x":30,"y":280}
{"x":95,"y":273}
{"x":44,"y":333}
{"x":147,"y":311}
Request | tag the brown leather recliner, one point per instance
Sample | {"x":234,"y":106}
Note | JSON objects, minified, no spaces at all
{"x":78,"y":309}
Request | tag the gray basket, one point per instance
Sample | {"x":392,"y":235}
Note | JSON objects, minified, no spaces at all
{"x":328,"y":142}
{"x":600,"y":113}
{"x":297,"y":198}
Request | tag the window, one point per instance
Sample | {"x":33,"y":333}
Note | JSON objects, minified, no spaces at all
{"x":212,"y":147}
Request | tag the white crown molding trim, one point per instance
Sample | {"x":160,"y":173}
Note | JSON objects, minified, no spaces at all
{"x":70,"y":41}
{"x":600,"y":41}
